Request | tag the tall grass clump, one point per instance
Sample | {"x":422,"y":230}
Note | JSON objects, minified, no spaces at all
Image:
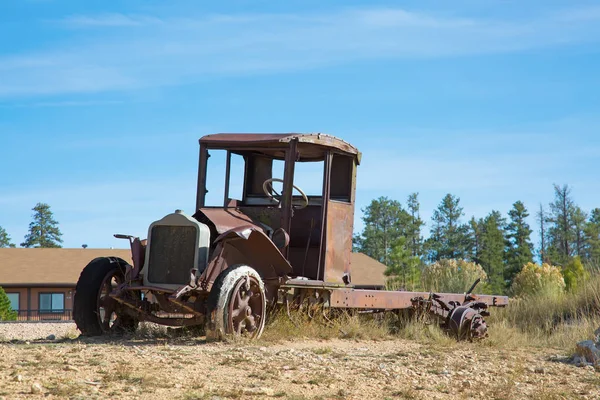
{"x":542,"y":312}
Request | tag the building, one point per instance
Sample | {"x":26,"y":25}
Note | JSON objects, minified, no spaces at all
{"x":40,"y":282}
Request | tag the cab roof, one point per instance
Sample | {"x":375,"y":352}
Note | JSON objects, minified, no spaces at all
{"x":311,"y":146}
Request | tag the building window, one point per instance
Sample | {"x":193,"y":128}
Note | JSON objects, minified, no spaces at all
{"x":52,"y":302}
{"x":14,"y":300}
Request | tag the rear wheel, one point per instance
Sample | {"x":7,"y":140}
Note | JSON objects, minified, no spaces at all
{"x":237,"y":304}
{"x":94,"y":311}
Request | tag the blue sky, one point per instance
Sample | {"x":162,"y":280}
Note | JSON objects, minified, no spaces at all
{"x":102,"y":103}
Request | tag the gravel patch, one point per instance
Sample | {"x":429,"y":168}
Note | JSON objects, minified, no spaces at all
{"x":36,"y":330}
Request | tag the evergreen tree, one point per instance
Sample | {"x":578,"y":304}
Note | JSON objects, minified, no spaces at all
{"x":592,"y":238}
{"x":492,"y":250}
{"x":561,"y":232}
{"x":578,"y":218}
{"x":475,"y":239}
{"x":542,"y":218}
{"x":5,"y":240}
{"x":6,"y":311}
{"x":414,"y":238}
{"x":403,"y":268}
{"x":449,"y":238}
{"x":43,"y":230}
{"x":385,"y":222}
{"x":520,"y":249}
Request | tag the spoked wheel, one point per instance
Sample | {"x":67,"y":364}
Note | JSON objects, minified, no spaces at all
{"x":110,"y":320}
{"x":237,"y":304}
{"x":94,"y":311}
{"x":246,"y":307}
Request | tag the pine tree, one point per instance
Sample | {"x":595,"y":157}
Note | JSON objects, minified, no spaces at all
{"x":385,"y":222}
{"x":475,"y":239}
{"x":520,"y":249}
{"x":403,"y":268}
{"x":542,"y":218}
{"x":43,"y":230}
{"x":6,"y":311}
{"x":561,"y":231}
{"x":492,"y":250}
{"x":592,"y":238}
{"x":414,"y":238}
{"x":578,"y":218}
{"x":449,"y":238}
{"x":5,"y":240}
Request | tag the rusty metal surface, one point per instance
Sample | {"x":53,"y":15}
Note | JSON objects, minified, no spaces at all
{"x":279,"y":140}
{"x":225,"y":219}
{"x":340,"y":221}
{"x":245,"y":245}
{"x":393,"y":300}
{"x":310,"y":283}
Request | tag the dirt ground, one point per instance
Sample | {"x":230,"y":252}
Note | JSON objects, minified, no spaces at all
{"x":191,"y":368}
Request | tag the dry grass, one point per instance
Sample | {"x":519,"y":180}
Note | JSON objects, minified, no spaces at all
{"x":556,"y":321}
{"x":549,"y":321}
{"x":299,"y":325}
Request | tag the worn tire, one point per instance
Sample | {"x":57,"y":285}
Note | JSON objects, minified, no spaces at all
{"x":86,"y":309}
{"x":221,"y":295}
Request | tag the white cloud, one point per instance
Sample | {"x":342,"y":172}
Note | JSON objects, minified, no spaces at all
{"x":171,"y":51}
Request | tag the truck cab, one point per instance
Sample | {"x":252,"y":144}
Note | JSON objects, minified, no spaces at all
{"x":313,"y":231}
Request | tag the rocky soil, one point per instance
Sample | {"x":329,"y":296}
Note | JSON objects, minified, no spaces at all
{"x":36,"y":330}
{"x":191,"y":368}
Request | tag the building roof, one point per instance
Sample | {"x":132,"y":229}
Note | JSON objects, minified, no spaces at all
{"x":61,"y":267}
{"x":49,"y":267}
{"x":310,"y":145}
{"x":367,"y":271}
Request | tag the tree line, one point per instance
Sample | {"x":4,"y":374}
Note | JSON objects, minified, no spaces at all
{"x":43,"y":230}
{"x":501,"y":244}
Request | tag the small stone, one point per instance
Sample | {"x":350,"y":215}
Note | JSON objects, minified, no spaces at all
{"x":178,"y":386}
{"x":36,"y":388}
{"x":71,"y":368}
{"x":539,"y":370}
{"x":467,"y":384}
{"x":286,"y":367}
{"x":263,"y":349}
{"x":51,"y":337}
{"x":445,"y":372}
{"x":19,"y":378}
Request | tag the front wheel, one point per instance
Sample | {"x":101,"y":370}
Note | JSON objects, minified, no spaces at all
{"x":237,"y":304}
{"x":94,"y":311}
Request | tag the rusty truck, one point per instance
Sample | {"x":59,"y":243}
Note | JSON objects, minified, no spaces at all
{"x":223,"y":268}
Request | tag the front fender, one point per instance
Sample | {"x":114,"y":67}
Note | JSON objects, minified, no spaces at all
{"x":255,"y":249}
{"x":245,"y":245}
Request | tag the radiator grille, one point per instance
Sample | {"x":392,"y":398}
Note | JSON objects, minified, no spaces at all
{"x":172,"y":251}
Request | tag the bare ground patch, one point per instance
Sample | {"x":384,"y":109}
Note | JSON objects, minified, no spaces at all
{"x":190,"y":368}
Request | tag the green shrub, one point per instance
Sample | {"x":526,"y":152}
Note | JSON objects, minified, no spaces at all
{"x":574,"y":274}
{"x":452,"y":276}
{"x":535,"y":279}
{"x":6,"y":311}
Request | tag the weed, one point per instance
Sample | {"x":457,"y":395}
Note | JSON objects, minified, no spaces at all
{"x":322,"y":350}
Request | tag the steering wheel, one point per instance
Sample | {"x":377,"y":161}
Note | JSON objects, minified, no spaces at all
{"x":269,"y":191}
